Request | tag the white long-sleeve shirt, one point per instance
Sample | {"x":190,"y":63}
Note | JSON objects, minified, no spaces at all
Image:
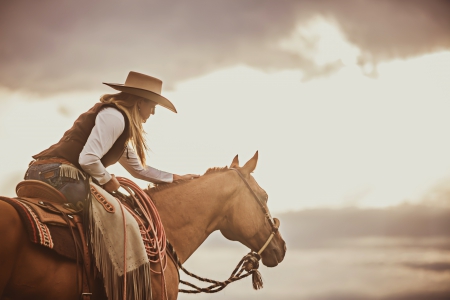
{"x":109,"y":125}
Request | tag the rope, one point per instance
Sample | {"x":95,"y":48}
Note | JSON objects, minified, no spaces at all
{"x":150,"y":226}
{"x":249,"y":263}
{"x":155,"y":242}
{"x":124,"y":296}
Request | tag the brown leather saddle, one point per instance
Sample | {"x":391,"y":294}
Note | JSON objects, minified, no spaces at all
{"x":52,"y":207}
{"x":39,"y":189}
{"x":48,"y":203}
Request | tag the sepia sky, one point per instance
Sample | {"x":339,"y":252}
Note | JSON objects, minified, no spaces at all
{"x":346,"y":101}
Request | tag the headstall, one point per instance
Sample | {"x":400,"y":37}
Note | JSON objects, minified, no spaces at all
{"x":274,"y":222}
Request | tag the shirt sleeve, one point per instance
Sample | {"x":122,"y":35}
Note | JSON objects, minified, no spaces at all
{"x":132,"y":164}
{"x":109,"y":125}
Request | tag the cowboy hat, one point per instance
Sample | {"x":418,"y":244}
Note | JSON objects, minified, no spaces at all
{"x":144,"y":86}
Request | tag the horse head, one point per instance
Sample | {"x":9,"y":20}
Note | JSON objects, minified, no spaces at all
{"x":247,"y":218}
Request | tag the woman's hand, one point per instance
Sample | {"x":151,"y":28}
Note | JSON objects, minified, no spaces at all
{"x":185,"y":177}
{"x":112,"y":185}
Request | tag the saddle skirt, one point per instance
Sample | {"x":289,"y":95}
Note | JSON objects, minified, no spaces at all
{"x":51,"y":213}
{"x":44,"y":226}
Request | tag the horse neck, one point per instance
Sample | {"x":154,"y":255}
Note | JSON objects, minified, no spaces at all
{"x":191,"y":211}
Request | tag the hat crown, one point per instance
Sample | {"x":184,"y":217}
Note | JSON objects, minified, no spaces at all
{"x":144,"y":86}
{"x":142,"y":81}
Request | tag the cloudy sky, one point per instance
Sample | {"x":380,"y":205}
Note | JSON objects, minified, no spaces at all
{"x":399,"y":253}
{"x":348,"y":103}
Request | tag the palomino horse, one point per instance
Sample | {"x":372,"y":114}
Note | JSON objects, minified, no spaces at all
{"x":190,"y":211}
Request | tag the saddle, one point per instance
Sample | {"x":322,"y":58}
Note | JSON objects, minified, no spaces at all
{"x":46,"y":212}
{"x":49,"y":204}
{"x":49,"y":207}
{"x":39,"y":189}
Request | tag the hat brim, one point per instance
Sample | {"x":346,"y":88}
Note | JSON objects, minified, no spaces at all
{"x":164,"y":102}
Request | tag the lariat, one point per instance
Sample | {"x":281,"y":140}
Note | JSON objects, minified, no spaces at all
{"x":146,"y":214}
{"x":151,"y":228}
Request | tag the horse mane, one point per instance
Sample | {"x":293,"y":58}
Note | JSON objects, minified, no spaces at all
{"x":216,"y":170}
{"x":162,"y":186}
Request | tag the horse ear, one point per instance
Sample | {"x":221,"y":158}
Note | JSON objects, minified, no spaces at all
{"x":235,"y":162}
{"x":251,"y":164}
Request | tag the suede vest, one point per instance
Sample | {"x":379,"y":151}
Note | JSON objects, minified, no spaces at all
{"x":74,"y":139}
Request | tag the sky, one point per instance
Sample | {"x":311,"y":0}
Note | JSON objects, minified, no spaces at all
{"x":346,"y":102}
{"x":343,"y":254}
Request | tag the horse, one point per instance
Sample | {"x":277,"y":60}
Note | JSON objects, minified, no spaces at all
{"x":227,"y":199}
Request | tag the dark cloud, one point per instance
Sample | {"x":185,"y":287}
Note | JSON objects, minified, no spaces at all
{"x":434,"y":267}
{"x":401,"y":226}
{"x":327,"y":227}
{"x":422,"y":295}
{"x":428,"y":295}
{"x":49,"y":46}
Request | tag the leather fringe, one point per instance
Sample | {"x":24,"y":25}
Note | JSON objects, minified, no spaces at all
{"x":138,"y":280}
{"x":69,"y":171}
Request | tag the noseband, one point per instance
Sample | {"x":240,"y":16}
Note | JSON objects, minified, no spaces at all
{"x":274,"y":223}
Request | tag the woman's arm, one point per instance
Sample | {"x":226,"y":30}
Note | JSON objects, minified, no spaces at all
{"x":131,"y":163}
{"x":109,"y":125}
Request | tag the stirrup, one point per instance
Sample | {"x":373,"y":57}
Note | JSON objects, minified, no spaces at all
{"x":39,"y":189}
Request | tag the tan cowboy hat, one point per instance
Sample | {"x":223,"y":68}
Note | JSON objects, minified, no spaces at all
{"x":144,"y":86}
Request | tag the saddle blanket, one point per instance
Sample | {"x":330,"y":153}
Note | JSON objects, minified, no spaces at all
{"x":57,"y":238}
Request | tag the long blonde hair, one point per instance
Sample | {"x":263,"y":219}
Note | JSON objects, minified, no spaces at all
{"x":128,"y":104}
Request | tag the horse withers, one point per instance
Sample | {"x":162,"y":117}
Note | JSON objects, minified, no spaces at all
{"x":225,"y":199}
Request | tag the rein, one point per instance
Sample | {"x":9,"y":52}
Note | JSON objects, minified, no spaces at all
{"x":249,"y":263}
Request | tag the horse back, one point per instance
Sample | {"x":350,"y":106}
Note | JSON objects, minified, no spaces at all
{"x":30,"y":271}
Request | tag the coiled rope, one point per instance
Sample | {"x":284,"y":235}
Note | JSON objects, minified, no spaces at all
{"x":150,"y":226}
{"x":155,"y":242}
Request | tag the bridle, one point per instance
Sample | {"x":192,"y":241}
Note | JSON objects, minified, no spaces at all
{"x":249,"y":263}
{"x":274,"y":222}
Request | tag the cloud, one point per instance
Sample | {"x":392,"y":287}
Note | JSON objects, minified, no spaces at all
{"x":53,"y":46}
{"x":438,"y":195}
{"x":327,"y":227}
{"x":405,"y":226}
{"x":429,"y":295}
{"x":434,"y":267}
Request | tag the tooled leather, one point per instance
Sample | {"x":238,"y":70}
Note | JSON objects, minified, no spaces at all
{"x":48,"y":214}
{"x":102,"y":200}
{"x":39,"y":189}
